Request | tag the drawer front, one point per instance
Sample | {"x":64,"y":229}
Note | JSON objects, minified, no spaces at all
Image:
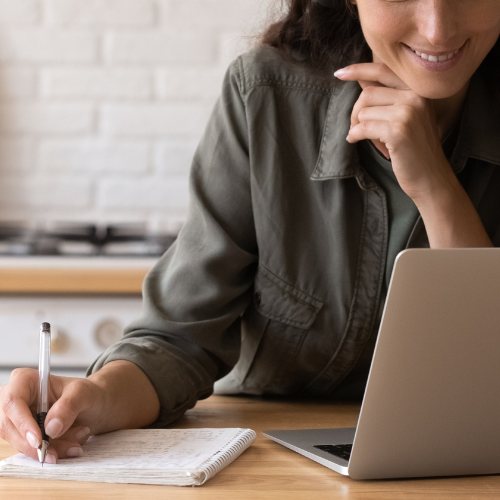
{"x":82,"y":328}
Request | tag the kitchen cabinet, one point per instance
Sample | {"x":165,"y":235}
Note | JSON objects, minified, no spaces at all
{"x":87,"y":301}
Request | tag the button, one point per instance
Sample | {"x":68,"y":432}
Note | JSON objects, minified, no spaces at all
{"x":107,"y":333}
{"x":258,"y":298}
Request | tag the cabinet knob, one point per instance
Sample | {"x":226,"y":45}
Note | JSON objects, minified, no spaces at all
{"x":108,"y":332}
{"x":59,"y":341}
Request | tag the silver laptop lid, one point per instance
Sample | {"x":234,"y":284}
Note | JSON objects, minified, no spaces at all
{"x":432,"y":405}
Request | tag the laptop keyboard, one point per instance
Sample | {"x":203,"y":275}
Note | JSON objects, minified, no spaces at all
{"x":339,"y":450}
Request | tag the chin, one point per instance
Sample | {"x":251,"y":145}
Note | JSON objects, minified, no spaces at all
{"x":432,"y":90}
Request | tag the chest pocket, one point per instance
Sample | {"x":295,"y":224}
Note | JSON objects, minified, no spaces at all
{"x":272,"y":334}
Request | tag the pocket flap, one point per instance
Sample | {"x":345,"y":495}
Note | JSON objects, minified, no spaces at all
{"x":278,"y":300}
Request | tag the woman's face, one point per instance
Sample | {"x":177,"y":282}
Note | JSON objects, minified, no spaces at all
{"x":430,"y":26}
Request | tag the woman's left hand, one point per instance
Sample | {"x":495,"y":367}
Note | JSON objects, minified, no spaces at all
{"x":402,"y":125}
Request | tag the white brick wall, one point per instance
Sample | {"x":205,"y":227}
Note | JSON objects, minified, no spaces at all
{"x":103,"y":102}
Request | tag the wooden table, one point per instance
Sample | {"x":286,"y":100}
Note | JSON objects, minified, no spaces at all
{"x":266,"y":470}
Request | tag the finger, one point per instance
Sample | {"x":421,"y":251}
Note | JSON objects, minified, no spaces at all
{"x":373,"y":129}
{"x":378,"y":113}
{"x":373,"y":97}
{"x":76,"y":434}
{"x":69,"y":445}
{"x":12,"y":435}
{"x":16,"y":398}
{"x":76,"y":398}
{"x":375,"y":72}
{"x":67,"y":449}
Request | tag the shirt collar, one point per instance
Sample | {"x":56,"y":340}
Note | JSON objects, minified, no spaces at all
{"x":478,"y":135}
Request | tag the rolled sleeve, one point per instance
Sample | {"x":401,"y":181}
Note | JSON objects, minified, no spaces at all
{"x":188,"y":334}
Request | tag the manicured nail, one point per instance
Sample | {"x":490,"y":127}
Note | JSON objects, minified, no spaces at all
{"x":50,"y":459}
{"x":347,"y":138}
{"x":76,"y":451}
{"x":340,"y":72}
{"x":82,"y":433}
{"x":54,"y":428}
{"x":32,"y":440}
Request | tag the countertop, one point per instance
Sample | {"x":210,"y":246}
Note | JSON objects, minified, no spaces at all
{"x":266,"y":470}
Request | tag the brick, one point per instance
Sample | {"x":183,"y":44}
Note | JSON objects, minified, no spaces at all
{"x":16,"y":154}
{"x":42,"y":46}
{"x":172,"y":47}
{"x":62,"y":118}
{"x":230,"y":45}
{"x":101,"y":12}
{"x":17,"y":82}
{"x":19,"y":12}
{"x":97,"y":83}
{"x":45,"y":192}
{"x":175,"y":157}
{"x":154,"y":119}
{"x":213,"y":12}
{"x":152,"y":193}
{"x":189,"y":83}
{"x":84,"y":155}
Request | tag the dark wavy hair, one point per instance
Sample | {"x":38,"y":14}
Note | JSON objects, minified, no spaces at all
{"x":322,"y":38}
{"x":328,"y":38}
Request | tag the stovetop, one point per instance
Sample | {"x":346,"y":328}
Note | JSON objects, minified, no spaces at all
{"x":82,"y":240}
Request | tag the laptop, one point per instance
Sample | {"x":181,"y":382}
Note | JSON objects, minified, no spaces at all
{"x":431,"y":406}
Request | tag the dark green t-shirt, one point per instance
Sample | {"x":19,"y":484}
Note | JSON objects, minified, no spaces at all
{"x":402,"y":215}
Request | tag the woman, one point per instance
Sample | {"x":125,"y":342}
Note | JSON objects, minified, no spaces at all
{"x":277,"y":281}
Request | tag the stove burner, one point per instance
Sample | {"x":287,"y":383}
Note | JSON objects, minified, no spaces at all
{"x":82,"y":239}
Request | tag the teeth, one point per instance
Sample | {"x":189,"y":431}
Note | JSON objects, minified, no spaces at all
{"x":435,"y":58}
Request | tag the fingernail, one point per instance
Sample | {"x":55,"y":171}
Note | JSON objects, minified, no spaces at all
{"x":32,"y":440}
{"x":54,"y":428}
{"x":76,"y":451}
{"x":50,"y":459}
{"x":347,"y":138}
{"x":340,"y":72}
{"x":82,"y":433}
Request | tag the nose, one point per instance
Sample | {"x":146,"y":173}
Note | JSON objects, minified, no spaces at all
{"x":438,"y":22}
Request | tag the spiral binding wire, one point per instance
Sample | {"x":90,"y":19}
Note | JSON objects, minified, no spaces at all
{"x":227,"y":453}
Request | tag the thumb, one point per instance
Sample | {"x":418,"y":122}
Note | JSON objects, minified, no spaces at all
{"x":77,"y":396}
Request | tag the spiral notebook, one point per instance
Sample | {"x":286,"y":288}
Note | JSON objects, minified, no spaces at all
{"x":181,"y":457}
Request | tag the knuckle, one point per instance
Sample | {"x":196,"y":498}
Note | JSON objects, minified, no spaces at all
{"x":19,"y":372}
{"x":24,"y":377}
{"x":398,"y":129}
{"x":76,"y":390}
{"x":8,"y":403}
{"x":82,"y":386}
{"x":407,"y":112}
{"x":367,"y":93}
{"x":3,"y":428}
{"x":67,"y":406}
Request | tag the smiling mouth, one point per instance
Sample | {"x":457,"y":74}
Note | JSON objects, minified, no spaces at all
{"x":435,"y":58}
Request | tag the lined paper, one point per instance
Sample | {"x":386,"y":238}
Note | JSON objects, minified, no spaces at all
{"x":142,"y":455}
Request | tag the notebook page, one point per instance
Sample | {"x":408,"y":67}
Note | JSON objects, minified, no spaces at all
{"x":143,"y":449}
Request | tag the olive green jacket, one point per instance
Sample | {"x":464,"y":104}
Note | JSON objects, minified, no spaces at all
{"x":274,"y":282}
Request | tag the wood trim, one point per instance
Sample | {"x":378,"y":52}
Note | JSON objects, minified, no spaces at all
{"x":72,"y":280}
{"x":267,"y":470}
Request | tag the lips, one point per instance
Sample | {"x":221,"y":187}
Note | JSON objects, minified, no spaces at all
{"x":431,"y":65}
{"x":435,"y":54}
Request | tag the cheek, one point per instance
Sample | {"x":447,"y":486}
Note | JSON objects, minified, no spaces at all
{"x":485,"y":28}
{"x":382,"y":30}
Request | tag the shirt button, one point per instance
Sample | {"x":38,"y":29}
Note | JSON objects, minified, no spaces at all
{"x":258,"y":298}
